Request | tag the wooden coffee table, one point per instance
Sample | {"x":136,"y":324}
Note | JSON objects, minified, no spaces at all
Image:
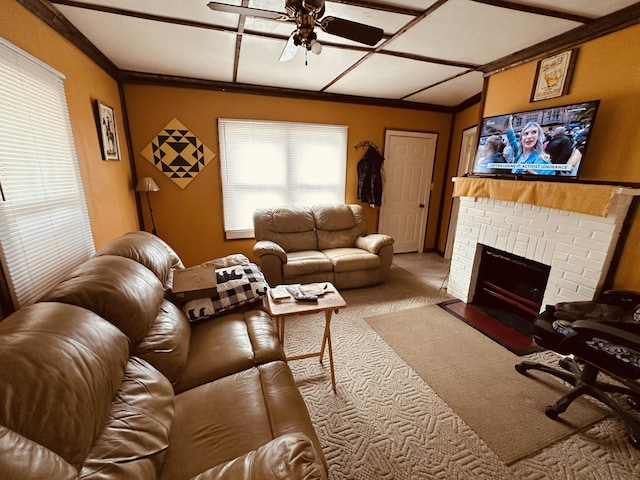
{"x":328,"y":303}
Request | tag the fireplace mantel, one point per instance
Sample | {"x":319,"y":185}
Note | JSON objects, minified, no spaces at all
{"x":590,"y":199}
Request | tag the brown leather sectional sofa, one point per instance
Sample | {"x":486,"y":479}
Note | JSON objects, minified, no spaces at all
{"x":321,"y":243}
{"x":106,"y":379}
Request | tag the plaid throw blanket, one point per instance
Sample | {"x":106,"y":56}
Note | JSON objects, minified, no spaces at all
{"x":236,"y":286}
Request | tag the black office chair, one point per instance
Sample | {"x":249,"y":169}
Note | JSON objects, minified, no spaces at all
{"x":596,"y":337}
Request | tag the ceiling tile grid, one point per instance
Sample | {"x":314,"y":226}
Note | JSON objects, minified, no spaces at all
{"x":432,"y":52}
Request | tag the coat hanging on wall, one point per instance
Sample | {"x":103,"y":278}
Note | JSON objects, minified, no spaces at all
{"x":370,"y":175}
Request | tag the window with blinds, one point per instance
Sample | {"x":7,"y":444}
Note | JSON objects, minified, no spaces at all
{"x":45,"y":230}
{"x":278,"y":163}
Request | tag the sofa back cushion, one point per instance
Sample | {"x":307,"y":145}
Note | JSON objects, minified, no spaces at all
{"x":292,"y":227}
{"x":148,"y":250}
{"x":118,"y":289}
{"x":166,"y":345}
{"x":60,"y":367}
{"x":338,"y":225}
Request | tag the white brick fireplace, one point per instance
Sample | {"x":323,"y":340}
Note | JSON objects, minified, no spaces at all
{"x":577,"y":246}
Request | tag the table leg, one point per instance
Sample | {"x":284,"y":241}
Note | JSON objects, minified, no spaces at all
{"x":280,"y":328}
{"x":326,"y":341}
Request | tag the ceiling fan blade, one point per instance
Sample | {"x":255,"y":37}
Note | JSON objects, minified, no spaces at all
{"x":249,"y":12}
{"x":290,"y":49}
{"x":358,"y":32}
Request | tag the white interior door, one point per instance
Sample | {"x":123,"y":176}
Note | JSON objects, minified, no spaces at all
{"x":465,"y":164}
{"x":408,"y":167}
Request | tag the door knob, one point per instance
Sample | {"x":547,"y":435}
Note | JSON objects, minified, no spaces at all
{"x":422,"y":205}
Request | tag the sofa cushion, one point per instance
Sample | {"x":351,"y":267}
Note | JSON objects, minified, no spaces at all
{"x":350,"y":259}
{"x":118,"y":289}
{"x":63,"y":365}
{"x":291,"y":227}
{"x":236,"y":286}
{"x":166,"y":345}
{"x":252,"y":407}
{"x":146,"y":249}
{"x":136,"y":432}
{"x":229,"y":344}
{"x":303,"y":263}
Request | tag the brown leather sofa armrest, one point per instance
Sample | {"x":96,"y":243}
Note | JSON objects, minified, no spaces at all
{"x":287,"y":457}
{"x":267,"y":247}
{"x":373,"y":242}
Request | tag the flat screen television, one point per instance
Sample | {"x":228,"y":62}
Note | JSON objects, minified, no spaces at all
{"x":544,"y":144}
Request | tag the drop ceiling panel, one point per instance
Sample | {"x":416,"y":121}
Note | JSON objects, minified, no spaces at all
{"x":163,"y":49}
{"x":386,"y":76}
{"x":467,"y":31}
{"x":457,"y":32}
{"x":592,"y":9}
{"x":412,"y":4}
{"x":451,"y":93}
{"x":194,"y":10}
{"x":259,"y":65}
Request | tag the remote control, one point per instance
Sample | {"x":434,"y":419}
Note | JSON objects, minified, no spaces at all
{"x":306,"y":298}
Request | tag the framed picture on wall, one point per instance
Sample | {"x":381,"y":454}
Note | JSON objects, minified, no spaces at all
{"x":109,"y":143}
{"x":553,"y":75}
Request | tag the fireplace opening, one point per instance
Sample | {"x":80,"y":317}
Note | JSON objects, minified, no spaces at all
{"x":510,"y":288}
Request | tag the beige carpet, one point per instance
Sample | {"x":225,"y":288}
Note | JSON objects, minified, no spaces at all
{"x":477,"y":379}
{"x":387,"y":423}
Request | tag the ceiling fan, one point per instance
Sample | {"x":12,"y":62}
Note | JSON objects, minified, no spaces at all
{"x":306,"y":14}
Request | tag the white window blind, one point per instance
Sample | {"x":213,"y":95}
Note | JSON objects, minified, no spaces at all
{"x":267,"y":164}
{"x":45,"y":230}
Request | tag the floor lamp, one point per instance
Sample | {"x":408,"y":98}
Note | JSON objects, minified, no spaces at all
{"x":147,"y":184}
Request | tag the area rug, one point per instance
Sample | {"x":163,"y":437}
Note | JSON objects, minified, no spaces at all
{"x":477,"y":379}
{"x":384,"y":422}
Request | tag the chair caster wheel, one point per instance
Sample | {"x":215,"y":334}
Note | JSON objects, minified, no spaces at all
{"x":634,"y":441}
{"x":551,"y":412}
{"x":520,"y":369}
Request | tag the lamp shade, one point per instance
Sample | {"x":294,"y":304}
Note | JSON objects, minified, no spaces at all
{"x":147,"y":184}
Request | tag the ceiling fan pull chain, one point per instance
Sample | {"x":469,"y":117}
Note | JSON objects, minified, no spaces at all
{"x":306,"y":52}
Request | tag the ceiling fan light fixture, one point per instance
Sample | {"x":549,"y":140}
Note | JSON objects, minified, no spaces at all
{"x":316,"y":47}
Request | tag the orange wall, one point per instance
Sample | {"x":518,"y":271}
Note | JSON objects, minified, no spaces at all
{"x":107,"y":185}
{"x":462,"y":120}
{"x":607,"y":69}
{"x":190,"y":219}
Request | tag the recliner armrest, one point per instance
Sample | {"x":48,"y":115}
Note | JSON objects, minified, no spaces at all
{"x":267,"y":247}
{"x":286,"y":457}
{"x":373,"y":242}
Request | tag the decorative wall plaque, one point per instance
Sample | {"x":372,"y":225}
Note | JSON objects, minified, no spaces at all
{"x":178,"y":153}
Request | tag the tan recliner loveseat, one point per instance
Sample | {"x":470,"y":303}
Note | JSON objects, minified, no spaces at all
{"x":320,"y":243}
